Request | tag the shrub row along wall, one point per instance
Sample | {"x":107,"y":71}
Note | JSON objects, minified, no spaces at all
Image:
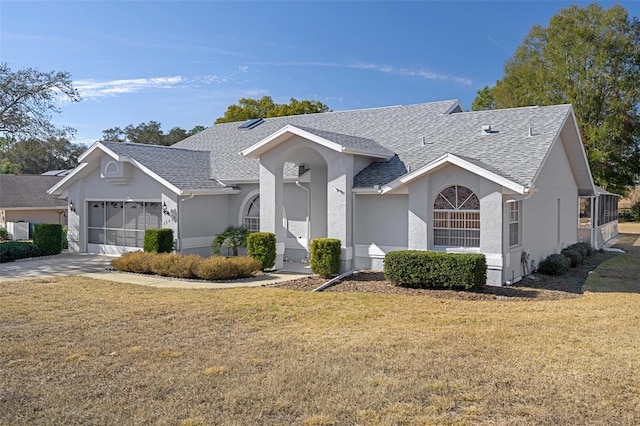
{"x":570,"y":257}
{"x":428,"y":269}
{"x":190,"y":266}
{"x":15,"y":250}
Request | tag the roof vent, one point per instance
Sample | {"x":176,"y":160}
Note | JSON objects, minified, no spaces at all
{"x":425,"y":142}
{"x":251,"y":124}
{"x":530,"y":130}
{"x":487,"y":130}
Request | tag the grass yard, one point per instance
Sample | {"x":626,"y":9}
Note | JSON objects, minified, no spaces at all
{"x":78,"y":351}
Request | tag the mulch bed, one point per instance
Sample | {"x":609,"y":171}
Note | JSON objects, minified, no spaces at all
{"x":543,"y":287}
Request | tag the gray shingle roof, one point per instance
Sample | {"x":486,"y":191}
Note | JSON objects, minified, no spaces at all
{"x":184,"y":168}
{"x":212,"y":155}
{"x":28,"y":191}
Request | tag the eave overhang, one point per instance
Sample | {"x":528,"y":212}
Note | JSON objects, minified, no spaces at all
{"x":444,"y":161}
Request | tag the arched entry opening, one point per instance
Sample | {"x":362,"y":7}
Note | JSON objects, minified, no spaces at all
{"x":304,"y":190}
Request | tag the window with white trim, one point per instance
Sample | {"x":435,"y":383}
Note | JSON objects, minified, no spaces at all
{"x":252,"y":215}
{"x":514,"y":223}
{"x":456,"y":218}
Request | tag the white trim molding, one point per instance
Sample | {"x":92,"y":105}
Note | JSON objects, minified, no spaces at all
{"x":460,"y":162}
{"x":275,"y":139}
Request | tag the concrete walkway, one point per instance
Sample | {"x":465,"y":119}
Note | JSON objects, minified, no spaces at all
{"x":98,"y":267}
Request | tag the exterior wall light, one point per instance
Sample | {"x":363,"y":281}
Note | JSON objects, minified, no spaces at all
{"x":71,"y":207}
{"x":165,"y":210}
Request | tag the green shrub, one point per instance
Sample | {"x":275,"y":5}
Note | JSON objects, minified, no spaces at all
{"x":585,"y":249}
{"x":48,"y":238}
{"x":556,"y":264}
{"x":158,"y":240}
{"x":574,"y":256}
{"x":325,"y":257}
{"x":262,"y":247}
{"x":65,"y":242}
{"x":428,"y":269}
{"x":137,"y":261}
{"x":14,"y":250}
{"x":4,"y":234}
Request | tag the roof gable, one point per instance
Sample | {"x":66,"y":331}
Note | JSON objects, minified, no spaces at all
{"x":339,"y":142}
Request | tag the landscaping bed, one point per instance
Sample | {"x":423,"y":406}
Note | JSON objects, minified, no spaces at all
{"x":543,"y":287}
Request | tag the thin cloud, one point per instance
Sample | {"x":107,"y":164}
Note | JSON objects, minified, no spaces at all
{"x":94,"y":89}
{"x":412,"y":72}
{"x":387,"y":69}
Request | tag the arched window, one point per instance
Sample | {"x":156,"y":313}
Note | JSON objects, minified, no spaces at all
{"x":252,"y":214}
{"x":456,"y":218}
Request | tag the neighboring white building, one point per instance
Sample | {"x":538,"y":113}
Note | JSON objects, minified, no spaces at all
{"x":505,"y":183}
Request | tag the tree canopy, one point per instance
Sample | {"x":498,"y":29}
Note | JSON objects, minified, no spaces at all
{"x":148,"y":133}
{"x":247,"y":108}
{"x":589,"y":57}
{"x":32,"y":156}
{"x":28,"y":98}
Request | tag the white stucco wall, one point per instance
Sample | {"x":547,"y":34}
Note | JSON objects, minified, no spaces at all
{"x":203,"y":217}
{"x":381,"y":226}
{"x":545,"y":230}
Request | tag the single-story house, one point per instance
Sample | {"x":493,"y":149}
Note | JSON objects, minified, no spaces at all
{"x":506,"y":183}
{"x":24,"y":199}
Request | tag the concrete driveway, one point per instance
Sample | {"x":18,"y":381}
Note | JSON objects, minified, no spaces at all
{"x":60,"y":265}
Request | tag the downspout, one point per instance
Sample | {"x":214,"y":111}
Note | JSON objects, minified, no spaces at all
{"x":299,"y":185}
{"x":180,"y":221}
{"x":353,"y":230}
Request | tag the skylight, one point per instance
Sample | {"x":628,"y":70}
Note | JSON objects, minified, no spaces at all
{"x":250,"y":124}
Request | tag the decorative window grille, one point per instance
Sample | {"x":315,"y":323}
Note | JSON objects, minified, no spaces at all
{"x":252,"y":216}
{"x":456,"y":218}
{"x":514,"y":223}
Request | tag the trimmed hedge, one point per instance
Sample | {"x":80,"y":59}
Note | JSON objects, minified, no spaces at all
{"x":325,"y":256}
{"x":262,"y":247}
{"x":555,"y":264}
{"x":48,"y":238}
{"x":188,"y":266}
{"x":14,"y":250}
{"x":428,"y":269}
{"x":158,"y":240}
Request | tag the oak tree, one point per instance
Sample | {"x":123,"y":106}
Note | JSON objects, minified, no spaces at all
{"x":247,"y":109}
{"x":589,"y":57}
{"x":28,"y":98}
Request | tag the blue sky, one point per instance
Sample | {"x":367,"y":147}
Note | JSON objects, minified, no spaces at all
{"x":183,"y":63}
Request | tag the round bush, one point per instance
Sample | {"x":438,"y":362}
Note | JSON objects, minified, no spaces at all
{"x":556,"y":264}
{"x":574,"y":256}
